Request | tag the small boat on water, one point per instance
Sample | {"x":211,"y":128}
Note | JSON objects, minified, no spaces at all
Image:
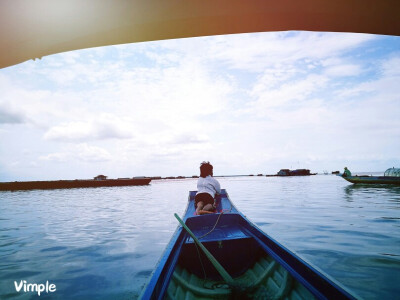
{"x":391,"y":176}
{"x":225,"y":256}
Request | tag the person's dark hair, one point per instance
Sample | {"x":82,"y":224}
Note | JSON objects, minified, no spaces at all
{"x":206,"y":169}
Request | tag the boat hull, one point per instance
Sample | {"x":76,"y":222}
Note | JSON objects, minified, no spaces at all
{"x":260,"y":266}
{"x":67,"y":184}
{"x":373,"y":179}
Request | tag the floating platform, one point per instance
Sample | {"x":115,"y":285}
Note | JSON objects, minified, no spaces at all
{"x":68,"y":184}
{"x":297,"y":172}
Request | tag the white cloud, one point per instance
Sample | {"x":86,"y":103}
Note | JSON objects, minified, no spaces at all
{"x":283,"y":92}
{"x":92,"y":153}
{"x":190,"y":138}
{"x":384,"y":86}
{"x":59,"y":157}
{"x":174,"y":93}
{"x":343,"y":70}
{"x":391,"y":66}
{"x":10,"y":115}
{"x":103,"y":127}
{"x":82,"y":152}
{"x":255,"y":52}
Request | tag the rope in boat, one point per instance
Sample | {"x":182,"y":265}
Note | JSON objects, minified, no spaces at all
{"x":202,"y":266}
{"x":215,"y":285}
{"x":215,"y":225}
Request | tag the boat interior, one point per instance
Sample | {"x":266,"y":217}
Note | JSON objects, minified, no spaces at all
{"x":256,"y":274}
{"x":225,"y":256}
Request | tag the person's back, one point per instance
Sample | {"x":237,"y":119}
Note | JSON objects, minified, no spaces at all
{"x":346,"y":172}
{"x":208,"y":185}
{"x":207,"y":188}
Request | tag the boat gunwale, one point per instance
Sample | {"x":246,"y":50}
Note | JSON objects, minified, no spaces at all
{"x":277,"y":251}
{"x":161,"y":263}
{"x":366,"y":179}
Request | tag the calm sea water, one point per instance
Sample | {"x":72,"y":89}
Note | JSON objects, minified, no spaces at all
{"x":103,"y":243}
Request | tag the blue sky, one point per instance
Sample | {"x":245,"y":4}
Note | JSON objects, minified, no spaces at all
{"x":248,"y":103}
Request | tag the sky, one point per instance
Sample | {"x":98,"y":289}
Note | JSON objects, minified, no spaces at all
{"x":248,"y":103}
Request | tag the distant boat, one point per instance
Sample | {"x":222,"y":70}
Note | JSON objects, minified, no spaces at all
{"x":224,"y":256}
{"x":391,"y":176}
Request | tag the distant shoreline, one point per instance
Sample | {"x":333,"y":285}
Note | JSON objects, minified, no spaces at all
{"x":87,"y":183}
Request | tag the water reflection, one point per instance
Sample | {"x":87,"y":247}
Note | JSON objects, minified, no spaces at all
{"x":362,"y":192}
{"x":373,"y":188}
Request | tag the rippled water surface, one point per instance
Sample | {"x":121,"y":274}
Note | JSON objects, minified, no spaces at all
{"x":103,"y":243}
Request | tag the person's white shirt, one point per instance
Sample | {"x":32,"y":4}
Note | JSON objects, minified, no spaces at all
{"x":208,"y":185}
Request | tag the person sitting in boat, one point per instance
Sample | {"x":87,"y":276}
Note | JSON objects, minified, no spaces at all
{"x":346,"y":172}
{"x":207,"y":188}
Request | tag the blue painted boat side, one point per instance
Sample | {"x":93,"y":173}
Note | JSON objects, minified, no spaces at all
{"x":161,"y":276}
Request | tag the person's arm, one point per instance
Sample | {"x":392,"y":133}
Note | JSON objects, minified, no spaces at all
{"x":217,"y":186}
